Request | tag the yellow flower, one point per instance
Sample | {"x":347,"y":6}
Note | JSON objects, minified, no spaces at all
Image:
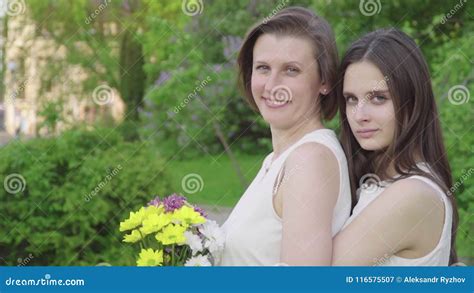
{"x":153,"y":210}
{"x":155,"y":223}
{"x":187,"y":216}
{"x":149,"y":257}
{"x":132,"y":237}
{"x":172,"y":234}
{"x":133,"y":221}
{"x":137,"y":218}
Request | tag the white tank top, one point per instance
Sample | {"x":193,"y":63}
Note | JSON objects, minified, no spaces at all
{"x":254,"y":229}
{"x":439,"y":256}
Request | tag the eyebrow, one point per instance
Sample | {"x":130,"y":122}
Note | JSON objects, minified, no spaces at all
{"x":285,"y":63}
{"x":378,"y":92}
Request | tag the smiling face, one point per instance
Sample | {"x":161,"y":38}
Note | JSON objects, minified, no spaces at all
{"x":285,"y":81}
{"x":369,"y":106}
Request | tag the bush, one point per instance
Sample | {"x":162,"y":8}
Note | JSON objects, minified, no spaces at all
{"x":459,"y":143}
{"x":77,"y":188}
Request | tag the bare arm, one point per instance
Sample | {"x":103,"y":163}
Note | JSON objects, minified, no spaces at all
{"x":309,"y":188}
{"x":408,"y":216}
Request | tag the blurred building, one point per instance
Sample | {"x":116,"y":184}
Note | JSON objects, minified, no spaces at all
{"x":26,"y":54}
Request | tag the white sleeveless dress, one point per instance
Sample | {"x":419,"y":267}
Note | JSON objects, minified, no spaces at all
{"x":439,"y":256}
{"x":254,"y":229}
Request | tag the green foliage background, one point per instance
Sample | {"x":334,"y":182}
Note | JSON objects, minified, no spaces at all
{"x":188,"y":78}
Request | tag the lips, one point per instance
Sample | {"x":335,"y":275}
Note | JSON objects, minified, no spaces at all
{"x":275,"y":104}
{"x":366,"y":133}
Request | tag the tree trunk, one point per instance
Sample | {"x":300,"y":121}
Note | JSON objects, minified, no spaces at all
{"x":229,"y":152}
{"x":132,"y":75}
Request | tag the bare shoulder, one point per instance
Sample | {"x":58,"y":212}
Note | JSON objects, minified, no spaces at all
{"x":413,"y":196}
{"x":312,"y":155}
{"x":418,"y":210}
{"x":411,"y":204}
{"x":311,"y":172}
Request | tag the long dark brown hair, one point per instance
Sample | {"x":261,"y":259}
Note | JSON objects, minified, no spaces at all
{"x":417,"y":137}
{"x":297,"y":22}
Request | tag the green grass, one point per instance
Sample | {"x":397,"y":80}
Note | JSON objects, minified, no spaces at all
{"x":220,"y":183}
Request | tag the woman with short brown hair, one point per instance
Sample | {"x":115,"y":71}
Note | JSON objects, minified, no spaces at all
{"x":300,"y":198}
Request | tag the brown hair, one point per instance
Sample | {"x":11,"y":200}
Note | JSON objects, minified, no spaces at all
{"x":299,"y":22}
{"x":417,"y":134}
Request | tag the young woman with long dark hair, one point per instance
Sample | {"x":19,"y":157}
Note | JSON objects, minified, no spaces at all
{"x":404,"y":212}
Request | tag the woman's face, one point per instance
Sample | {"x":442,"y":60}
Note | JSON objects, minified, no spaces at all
{"x":369,"y":107}
{"x":285,"y":80}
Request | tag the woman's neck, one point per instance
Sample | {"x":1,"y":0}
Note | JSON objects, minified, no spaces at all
{"x":282,"y":139}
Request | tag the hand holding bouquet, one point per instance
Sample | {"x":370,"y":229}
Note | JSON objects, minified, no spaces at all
{"x":172,"y":232}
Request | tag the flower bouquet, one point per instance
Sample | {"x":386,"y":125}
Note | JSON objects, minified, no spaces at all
{"x":172,"y":232}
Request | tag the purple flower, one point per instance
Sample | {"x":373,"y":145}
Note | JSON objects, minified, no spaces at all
{"x":155,"y":202}
{"x":173,"y":202}
{"x":201,"y":211}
